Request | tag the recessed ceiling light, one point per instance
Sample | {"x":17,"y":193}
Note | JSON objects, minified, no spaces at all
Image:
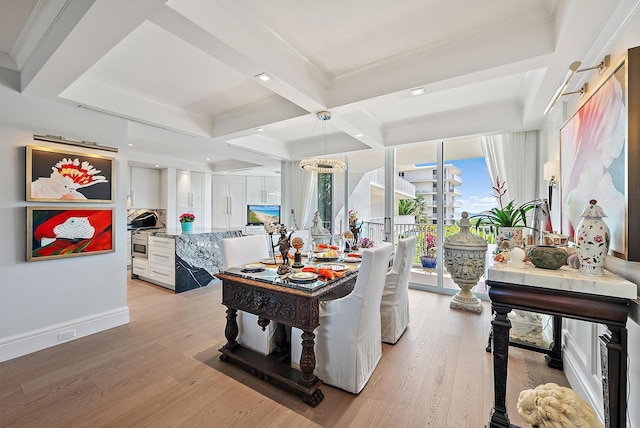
{"x":130,"y":144}
{"x":208,"y":159}
{"x":358,"y":135}
{"x":417,"y":91}
{"x":157,"y":166}
{"x":260,"y":129}
{"x":264,"y":77}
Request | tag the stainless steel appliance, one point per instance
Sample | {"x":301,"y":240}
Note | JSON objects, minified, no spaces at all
{"x":139,"y":245}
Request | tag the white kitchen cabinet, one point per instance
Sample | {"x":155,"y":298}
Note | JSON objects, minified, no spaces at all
{"x":190,"y":195}
{"x":162,"y":262}
{"x":263,"y":190}
{"x":144,"y":188}
{"x":140,"y":267}
{"x":229,"y":203}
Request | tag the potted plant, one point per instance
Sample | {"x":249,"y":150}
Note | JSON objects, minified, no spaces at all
{"x":186,"y":222}
{"x":428,"y":258}
{"x":506,"y":220}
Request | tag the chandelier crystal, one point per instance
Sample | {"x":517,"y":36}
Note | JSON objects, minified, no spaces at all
{"x":323,"y":165}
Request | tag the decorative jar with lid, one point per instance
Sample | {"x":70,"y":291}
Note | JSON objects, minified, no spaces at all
{"x":592,"y":240}
{"x":464,"y":258}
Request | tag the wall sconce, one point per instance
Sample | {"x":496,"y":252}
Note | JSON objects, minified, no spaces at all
{"x":573,"y":69}
{"x":551,"y":173}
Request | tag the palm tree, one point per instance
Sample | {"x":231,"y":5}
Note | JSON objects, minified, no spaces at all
{"x":415,"y":207}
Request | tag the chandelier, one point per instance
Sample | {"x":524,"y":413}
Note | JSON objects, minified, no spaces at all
{"x":323,"y":165}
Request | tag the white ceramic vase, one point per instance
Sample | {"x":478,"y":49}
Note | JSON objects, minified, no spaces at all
{"x":592,"y":240}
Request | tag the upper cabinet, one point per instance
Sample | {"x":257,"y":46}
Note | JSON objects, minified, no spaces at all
{"x":263,"y":190}
{"x":190,"y":194}
{"x":144,"y":188}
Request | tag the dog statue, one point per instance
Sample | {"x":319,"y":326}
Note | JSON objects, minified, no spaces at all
{"x":554,"y":406}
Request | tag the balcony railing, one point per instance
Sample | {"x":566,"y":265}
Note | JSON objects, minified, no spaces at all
{"x":401,"y":185}
{"x":375,"y":231}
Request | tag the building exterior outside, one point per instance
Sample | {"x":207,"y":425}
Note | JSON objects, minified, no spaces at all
{"x":425,"y":179}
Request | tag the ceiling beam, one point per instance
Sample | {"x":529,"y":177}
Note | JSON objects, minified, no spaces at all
{"x":72,"y":45}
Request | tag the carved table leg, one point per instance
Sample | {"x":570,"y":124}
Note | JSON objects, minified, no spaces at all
{"x":281,"y":339}
{"x":613,"y":353}
{"x":554,"y":358}
{"x":307,"y":366}
{"x":308,"y":357}
{"x":231,"y":330}
{"x":500,"y":326}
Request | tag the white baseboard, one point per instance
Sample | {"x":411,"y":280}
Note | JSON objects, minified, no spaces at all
{"x":36,"y":340}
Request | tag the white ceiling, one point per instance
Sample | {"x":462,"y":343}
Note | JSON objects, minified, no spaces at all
{"x":189,"y":66}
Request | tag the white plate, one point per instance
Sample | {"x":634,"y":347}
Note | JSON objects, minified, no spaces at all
{"x":352,"y":260}
{"x":253,"y":266}
{"x":269,"y":261}
{"x":303,"y":277}
{"x":334,"y":267}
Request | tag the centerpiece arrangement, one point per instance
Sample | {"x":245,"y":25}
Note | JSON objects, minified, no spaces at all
{"x":186,"y":222}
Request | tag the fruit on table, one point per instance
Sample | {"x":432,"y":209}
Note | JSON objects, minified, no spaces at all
{"x":329,"y":254}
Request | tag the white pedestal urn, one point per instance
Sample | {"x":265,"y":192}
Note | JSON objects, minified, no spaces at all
{"x":592,"y":240}
{"x":464,"y":258}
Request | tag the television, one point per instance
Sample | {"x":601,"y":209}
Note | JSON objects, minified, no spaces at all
{"x":261,"y":214}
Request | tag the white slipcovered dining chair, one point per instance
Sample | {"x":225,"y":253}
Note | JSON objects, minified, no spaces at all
{"x":241,"y":251}
{"x":394,"y":308}
{"x":347,"y":343}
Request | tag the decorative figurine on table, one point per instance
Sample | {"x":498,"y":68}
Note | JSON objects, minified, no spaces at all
{"x":284,"y":245}
{"x":297,"y":243}
{"x":353,"y":226}
{"x":271,"y":228}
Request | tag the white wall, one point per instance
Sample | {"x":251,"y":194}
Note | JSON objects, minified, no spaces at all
{"x":580,"y":339}
{"x":40,"y":299}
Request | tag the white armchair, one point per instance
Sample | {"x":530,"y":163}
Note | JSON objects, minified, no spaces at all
{"x":237,"y":252}
{"x":394,"y":308}
{"x":347,"y":343}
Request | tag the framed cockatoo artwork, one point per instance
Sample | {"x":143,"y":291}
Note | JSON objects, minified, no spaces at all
{"x":63,"y":176}
{"x":57,"y":232}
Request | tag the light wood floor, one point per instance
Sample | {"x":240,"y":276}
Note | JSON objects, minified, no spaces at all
{"x":162,"y":370}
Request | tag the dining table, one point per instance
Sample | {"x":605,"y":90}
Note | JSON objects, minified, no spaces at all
{"x":292,"y":300}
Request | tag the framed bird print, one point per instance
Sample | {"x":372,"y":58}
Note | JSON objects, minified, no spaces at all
{"x":60,"y":232}
{"x":63,"y":176}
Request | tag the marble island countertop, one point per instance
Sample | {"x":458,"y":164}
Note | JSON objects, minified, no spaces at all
{"x":565,"y":278}
{"x":170,"y":233}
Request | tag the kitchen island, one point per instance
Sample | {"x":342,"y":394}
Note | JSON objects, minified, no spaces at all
{"x":182,"y":262}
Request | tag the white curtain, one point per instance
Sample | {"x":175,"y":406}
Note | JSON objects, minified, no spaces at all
{"x":512,"y":158}
{"x":303,"y":195}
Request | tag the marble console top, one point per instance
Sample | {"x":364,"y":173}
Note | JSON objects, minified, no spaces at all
{"x":565,"y":278}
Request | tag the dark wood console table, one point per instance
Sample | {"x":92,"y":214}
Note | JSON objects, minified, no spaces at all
{"x":274,"y":299}
{"x":563,"y":293}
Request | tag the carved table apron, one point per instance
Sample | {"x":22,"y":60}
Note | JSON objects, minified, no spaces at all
{"x":284,"y":305}
{"x":610,"y":311}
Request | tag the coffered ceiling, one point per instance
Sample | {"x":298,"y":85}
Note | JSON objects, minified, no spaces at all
{"x":184,"y":71}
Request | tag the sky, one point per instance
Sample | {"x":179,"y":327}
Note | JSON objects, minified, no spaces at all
{"x":476,"y":190}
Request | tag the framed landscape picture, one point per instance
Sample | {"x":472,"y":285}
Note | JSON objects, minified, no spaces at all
{"x":599,"y":149}
{"x":64,"y":176}
{"x":59,"y":232}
